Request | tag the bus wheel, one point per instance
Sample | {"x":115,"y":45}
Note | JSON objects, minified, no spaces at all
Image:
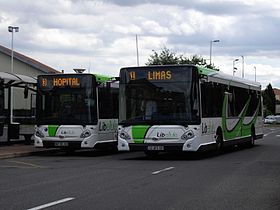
{"x":219,"y":143}
{"x":151,"y":154}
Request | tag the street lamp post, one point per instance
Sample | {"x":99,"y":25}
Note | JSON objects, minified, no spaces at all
{"x":233,"y":64}
{"x":137,"y":52}
{"x":255,"y":73}
{"x":242,"y":66}
{"x":12,"y":29}
{"x":211,"y":43}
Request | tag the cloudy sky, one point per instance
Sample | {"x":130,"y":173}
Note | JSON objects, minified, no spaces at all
{"x":100,"y":35}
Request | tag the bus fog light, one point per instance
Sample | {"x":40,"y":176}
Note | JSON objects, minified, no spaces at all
{"x":187,"y":135}
{"x":124,"y":135}
{"x":85,"y":134}
{"x":188,"y":145}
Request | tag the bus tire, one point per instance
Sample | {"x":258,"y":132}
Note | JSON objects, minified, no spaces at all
{"x":219,"y":142}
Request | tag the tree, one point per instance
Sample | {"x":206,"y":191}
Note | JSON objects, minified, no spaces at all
{"x":269,"y":100}
{"x":166,"y":57}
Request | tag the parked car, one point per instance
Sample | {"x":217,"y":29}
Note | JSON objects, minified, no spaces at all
{"x":270,"y":119}
{"x":277,"y":118}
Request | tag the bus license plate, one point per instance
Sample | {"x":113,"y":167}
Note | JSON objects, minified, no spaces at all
{"x":61,"y":144}
{"x":157,"y":148}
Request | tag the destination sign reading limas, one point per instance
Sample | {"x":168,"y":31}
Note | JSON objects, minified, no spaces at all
{"x":153,"y":75}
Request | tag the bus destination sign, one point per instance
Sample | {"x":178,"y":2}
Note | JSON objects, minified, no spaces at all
{"x":60,"y":82}
{"x":152,"y":75}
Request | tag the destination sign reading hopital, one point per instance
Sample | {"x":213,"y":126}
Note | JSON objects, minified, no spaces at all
{"x":61,"y":82}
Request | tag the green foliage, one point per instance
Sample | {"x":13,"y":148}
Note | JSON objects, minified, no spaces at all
{"x":166,"y":57}
{"x":269,"y":100}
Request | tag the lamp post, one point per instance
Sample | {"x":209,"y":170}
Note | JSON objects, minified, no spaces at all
{"x":233,"y":64}
{"x":255,"y":73}
{"x":211,"y":43}
{"x":242,"y":66}
{"x":12,"y":29}
{"x":137,"y":52}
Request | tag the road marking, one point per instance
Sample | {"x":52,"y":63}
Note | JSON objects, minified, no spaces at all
{"x":24,"y":163}
{"x":165,"y":169}
{"x":270,"y":133}
{"x":277,"y":135}
{"x":22,"y":167}
{"x":51,"y":204}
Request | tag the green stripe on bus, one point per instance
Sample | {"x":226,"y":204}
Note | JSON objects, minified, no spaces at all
{"x":139,"y":132}
{"x":240,"y":129}
{"x":52,"y":130}
{"x":246,"y":131}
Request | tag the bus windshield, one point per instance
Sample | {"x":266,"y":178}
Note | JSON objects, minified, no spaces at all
{"x":159,"y":95}
{"x":66,"y":99}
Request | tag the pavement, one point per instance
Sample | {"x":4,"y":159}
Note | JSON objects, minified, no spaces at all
{"x":19,"y":150}
{"x":19,"y":147}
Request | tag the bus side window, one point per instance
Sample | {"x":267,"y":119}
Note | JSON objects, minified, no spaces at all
{"x":218,"y":96}
{"x":206,"y":95}
{"x":115,"y":102}
{"x":212,"y":95}
{"x":231,"y":103}
{"x":108,"y":102}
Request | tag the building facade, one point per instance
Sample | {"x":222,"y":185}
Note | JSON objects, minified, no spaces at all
{"x":23,"y":65}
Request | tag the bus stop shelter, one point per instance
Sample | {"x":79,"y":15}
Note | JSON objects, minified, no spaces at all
{"x":8,"y":81}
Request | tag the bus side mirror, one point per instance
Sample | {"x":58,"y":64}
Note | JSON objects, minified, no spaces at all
{"x":25,"y":92}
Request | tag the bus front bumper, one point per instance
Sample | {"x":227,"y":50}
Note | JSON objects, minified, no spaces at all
{"x":125,"y":146}
{"x":189,"y":145}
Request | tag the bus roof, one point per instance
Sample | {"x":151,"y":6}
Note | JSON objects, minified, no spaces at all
{"x":210,"y":73}
{"x":102,"y":78}
{"x":220,"y":75}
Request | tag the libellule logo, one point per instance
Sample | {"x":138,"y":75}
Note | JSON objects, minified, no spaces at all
{"x":167,"y":135}
{"x":67,"y":132}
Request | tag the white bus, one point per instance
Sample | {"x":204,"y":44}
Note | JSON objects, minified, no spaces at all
{"x":186,"y":108}
{"x":76,"y":111}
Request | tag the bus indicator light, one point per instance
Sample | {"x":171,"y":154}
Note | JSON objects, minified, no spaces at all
{"x":44,"y":82}
{"x":132,"y":75}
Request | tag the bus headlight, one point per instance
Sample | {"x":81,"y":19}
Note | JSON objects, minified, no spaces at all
{"x":85,"y":134}
{"x":187,"y":135}
{"x":39,"y":134}
{"x":124,"y":135}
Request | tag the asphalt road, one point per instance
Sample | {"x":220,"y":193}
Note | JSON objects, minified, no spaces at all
{"x":240,"y":178}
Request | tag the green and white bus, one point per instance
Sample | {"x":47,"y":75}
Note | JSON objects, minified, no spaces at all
{"x":76,"y":111}
{"x":186,"y":108}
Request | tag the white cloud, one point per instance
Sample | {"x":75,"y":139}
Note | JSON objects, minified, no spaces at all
{"x":155,"y":28}
{"x":59,"y":39}
{"x":126,"y":29}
